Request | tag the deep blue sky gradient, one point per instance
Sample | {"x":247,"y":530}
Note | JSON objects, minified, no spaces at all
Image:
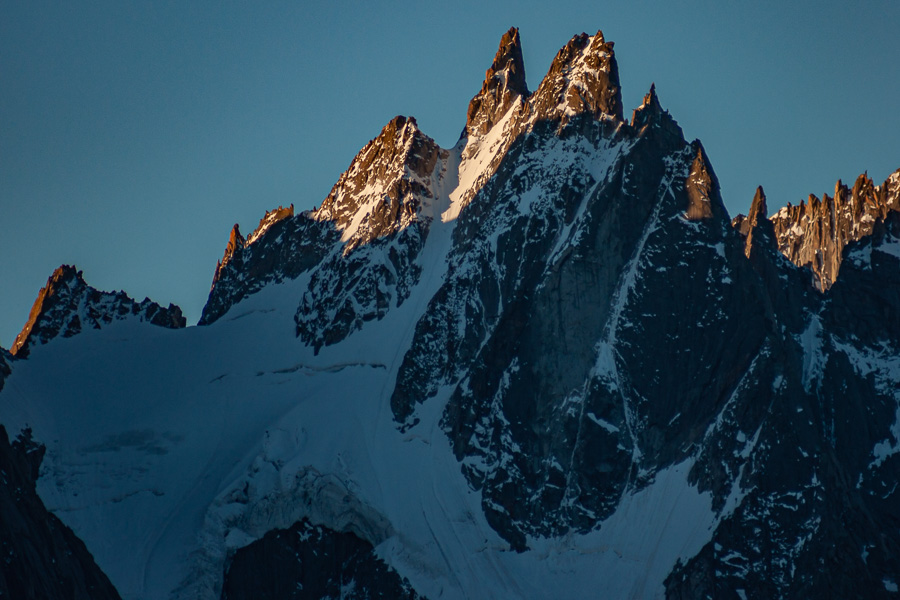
{"x":133,"y":135}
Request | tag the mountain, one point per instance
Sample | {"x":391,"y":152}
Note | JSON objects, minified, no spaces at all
{"x":67,"y":305}
{"x":815,"y":233}
{"x":543,"y":363}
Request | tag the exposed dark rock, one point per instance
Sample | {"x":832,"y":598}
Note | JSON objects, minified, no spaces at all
{"x":651,"y":114}
{"x":40,"y":557}
{"x":700,"y":186}
{"x":309,"y":561}
{"x":865,"y":299}
{"x":282,"y":248}
{"x":5,"y":359}
{"x":67,"y":306}
{"x":383,"y":205}
{"x":518,"y":362}
{"x":756,"y":228}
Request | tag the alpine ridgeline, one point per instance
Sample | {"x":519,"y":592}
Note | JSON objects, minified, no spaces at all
{"x":542,"y":363}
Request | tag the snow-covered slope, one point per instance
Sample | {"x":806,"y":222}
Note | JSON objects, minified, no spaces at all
{"x":538,"y":364}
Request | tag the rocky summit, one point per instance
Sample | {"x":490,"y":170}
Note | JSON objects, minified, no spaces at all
{"x":814,"y":233}
{"x":543,"y":363}
{"x":67,"y":305}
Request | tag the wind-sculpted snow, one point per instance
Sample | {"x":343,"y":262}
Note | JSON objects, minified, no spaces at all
{"x":539,"y":364}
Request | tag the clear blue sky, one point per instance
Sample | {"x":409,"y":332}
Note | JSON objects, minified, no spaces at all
{"x":133,"y":135}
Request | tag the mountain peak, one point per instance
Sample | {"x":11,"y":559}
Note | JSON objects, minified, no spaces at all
{"x":583,"y":78}
{"x":756,"y":228}
{"x":651,"y":114}
{"x":758,"y":208}
{"x":64,"y":280}
{"x":385,"y":186}
{"x":235,"y":241}
{"x":504,"y":82}
{"x":67,"y":305}
{"x":702,"y":188}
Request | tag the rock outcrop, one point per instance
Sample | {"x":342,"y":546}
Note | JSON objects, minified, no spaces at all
{"x":39,"y":556}
{"x":813,"y":234}
{"x":756,"y":228}
{"x":583,"y":79}
{"x":504,"y":82}
{"x":67,"y":305}
{"x":310,"y":561}
{"x":386,"y":186}
{"x":282,"y":248}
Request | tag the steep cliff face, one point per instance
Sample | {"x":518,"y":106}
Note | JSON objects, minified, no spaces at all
{"x":814,"y":233}
{"x":5,"y":370}
{"x":281,"y":248}
{"x":815,"y":499}
{"x":309,"y":561}
{"x":67,"y":306}
{"x":504,"y":83}
{"x":542,"y":363}
{"x":39,"y":556}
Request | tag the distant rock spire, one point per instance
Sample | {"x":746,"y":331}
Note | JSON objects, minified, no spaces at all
{"x":756,"y":228}
{"x":651,"y":114}
{"x":702,"y":187}
{"x":504,"y":82}
{"x":814,"y":233}
{"x":233,"y":250}
{"x":235,"y":242}
{"x":63,"y":281}
{"x":758,"y":208}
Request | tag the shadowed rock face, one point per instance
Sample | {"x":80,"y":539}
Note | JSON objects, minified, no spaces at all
{"x":282,"y":248}
{"x":39,"y":556}
{"x":5,"y":370}
{"x":814,"y":233}
{"x":67,"y":306}
{"x":314,"y":562}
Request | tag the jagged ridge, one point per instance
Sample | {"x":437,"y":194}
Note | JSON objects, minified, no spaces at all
{"x":813,"y":234}
{"x":67,"y":306}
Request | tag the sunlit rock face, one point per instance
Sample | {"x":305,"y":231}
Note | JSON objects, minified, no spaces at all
{"x":67,"y":305}
{"x":813,"y":234}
